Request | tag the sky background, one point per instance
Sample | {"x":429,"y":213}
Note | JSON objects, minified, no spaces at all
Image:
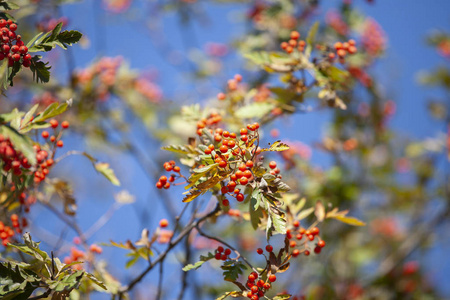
{"x":405,"y":22}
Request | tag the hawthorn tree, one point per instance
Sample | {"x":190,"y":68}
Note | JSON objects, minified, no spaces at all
{"x":256,"y":218}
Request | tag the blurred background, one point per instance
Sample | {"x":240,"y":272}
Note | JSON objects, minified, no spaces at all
{"x":140,"y":61}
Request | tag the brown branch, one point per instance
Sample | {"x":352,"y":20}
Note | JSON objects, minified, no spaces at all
{"x":163,"y":255}
{"x":228,"y":245}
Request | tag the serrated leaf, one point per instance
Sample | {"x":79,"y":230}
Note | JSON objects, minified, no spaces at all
{"x":106,"y":171}
{"x":40,"y":70}
{"x":51,"y":111}
{"x":276,"y":146}
{"x":95,"y":280}
{"x":232,"y":270}
{"x":192,"y":195}
{"x":349,"y":220}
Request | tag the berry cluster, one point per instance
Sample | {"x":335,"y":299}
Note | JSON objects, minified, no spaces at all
{"x":293,"y":43}
{"x":227,"y":152}
{"x":55,"y":139}
{"x":342,"y":49}
{"x":258,"y":287}
{"x":6,"y":232}
{"x":163,"y":181}
{"x":309,"y":234}
{"x":222,"y":254}
{"x":11,"y":44}
{"x":213,"y":119}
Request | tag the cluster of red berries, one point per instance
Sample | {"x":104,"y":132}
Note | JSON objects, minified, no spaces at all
{"x":309,"y":234}
{"x":163,"y":181}
{"x":258,"y":287}
{"x":6,"y":232}
{"x":11,"y":44}
{"x":213,"y":119}
{"x":342,"y":49}
{"x":54,"y":124}
{"x":232,"y":85}
{"x":222,"y":254}
{"x":10,"y":158}
{"x":274,"y":170}
{"x":293,"y":43}
{"x":43,"y":164}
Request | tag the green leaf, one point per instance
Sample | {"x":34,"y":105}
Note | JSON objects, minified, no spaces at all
{"x":254,"y":110}
{"x":106,"y":171}
{"x":179,"y":149}
{"x":68,"y":38}
{"x":311,"y":38}
{"x":51,"y":111}
{"x":6,"y":5}
{"x":40,"y":70}
{"x":259,"y":58}
{"x":198,"y":264}
{"x":95,"y":280}
{"x":232,"y":270}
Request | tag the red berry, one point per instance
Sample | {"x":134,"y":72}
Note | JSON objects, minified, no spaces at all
{"x":243,"y":180}
{"x":249,"y":164}
{"x":272,"y":278}
{"x":60,"y":143}
{"x":218,"y":256}
{"x":53,"y":123}
{"x":317,"y":249}
{"x":269,"y":248}
{"x":321,"y":243}
{"x":223,"y":148}
{"x":220,"y":249}
{"x":272,"y":165}
{"x":227,"y":251}
{"x":240,"y":197}
{"x":45,"y":134}
{"x":163,"y":223}
{"x":65,"y":124}
{"x":259,"y":251}
{"x":221,"y":96}
{"x":225,"y":202}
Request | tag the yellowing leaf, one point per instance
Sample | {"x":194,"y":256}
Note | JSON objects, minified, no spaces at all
{"x":319,"y":211}
{"x":304,"y":213}
{"x":350,"y":220}
{"x":276,"y":146}
{"x":106,"y":171}
{"x":192,"y":195}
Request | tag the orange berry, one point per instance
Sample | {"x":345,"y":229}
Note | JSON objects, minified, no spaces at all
{"x":65,"y":124}
{"x":163,"y":223}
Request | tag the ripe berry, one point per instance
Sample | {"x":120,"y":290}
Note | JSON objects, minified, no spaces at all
{"x":223,"y":164}
{"x":295,"y":35}
{"x":321,"y":243}
{"x":60,"y":143}
{"x":295,"y":253}
{"x":163,"y":223}
{"x":240,"y":197}
{"x":306,"y":252}
{"x":243,"y":180}
{"x":218,"y":256}
{"x":251,"y":277}
{"x":243,"y":131}
{"x":227,"y":251}
{"x":65,"y":124}
{"x":315,"y":231}
{"x":223,"y":148}
{"x":220,"y":249}
{"x":221,"y":96}
{"x":244,"y":138}
{"x":53,"y":123}
{"x":272,"y":278}
{"x":45,"y":134}
{"x":269,"y":248}
{"x":272,"y":165}
{"x":225,"y":202}
{"x":317,"y":249}
{"x":249,"y":164}
{"x":259,"y":251}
